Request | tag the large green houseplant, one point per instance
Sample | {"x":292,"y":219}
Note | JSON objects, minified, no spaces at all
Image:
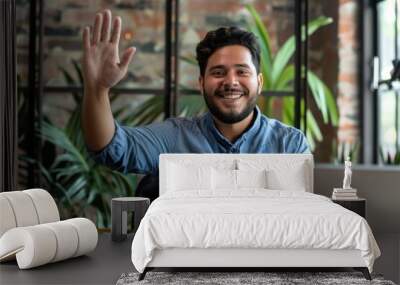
{"x":83,"y":187}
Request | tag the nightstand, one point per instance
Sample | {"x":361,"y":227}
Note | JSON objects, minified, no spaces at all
{"x":358,"y":205}
{"x":119,"y":214}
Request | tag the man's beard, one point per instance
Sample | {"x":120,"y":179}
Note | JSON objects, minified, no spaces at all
{"x":232,"y":117}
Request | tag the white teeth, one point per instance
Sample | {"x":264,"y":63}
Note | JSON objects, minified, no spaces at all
{"x":232,"y":96}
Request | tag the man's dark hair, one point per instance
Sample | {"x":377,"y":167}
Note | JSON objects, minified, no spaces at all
{"x":225,"y":37}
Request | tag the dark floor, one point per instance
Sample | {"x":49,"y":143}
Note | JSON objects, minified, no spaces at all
{"x":102,"y":266}
{"x":110,"y":259}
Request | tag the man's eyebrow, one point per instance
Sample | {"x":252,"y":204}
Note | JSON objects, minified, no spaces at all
{"x":242,"y":65}
{"x":217,"y":66}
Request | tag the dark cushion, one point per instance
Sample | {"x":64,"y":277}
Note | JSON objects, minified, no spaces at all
{"x":148,"y":187}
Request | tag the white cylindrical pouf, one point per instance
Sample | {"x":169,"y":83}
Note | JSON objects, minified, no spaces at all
{"x":87,"y":234}
{"x":34,"y":245}
{"x":7,"y":218}
{"x":23,"y":208}
{"x":45,"y":205}
{"x":67,"y":239}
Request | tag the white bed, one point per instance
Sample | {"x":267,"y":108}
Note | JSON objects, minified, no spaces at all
{"x":247,"y":210}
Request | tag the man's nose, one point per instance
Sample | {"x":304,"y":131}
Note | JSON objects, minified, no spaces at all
{"x":231,"y":79}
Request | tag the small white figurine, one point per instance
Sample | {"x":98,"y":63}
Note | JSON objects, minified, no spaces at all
{"x":347,"y":174}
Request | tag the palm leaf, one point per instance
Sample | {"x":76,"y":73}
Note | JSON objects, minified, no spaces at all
{"x":77,"y":185}
{"x":287,"y":50}
{"x":265,"y":44}
{"x":312,"y":126}
{"x":286,"y":77}
{"x":59,"y":138}
{"x":189,"y":60}
{"x":317,"y":90}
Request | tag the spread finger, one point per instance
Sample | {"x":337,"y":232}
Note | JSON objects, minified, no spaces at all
{"x":106,"y":27}
{"x":97,"y":28}
{"x":116,"y":33}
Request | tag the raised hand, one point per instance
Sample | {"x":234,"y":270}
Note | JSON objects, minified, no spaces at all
{"x":102,"y":66}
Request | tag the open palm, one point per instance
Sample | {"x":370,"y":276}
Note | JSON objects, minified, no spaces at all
{"x":102,"y":66}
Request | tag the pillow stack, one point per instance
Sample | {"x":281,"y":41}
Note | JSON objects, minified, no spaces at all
{"x":237,"y":179}
{"x":289,"y":175}
{"x":232,"y":175}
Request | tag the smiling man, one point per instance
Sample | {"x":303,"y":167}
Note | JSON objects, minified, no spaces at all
{"x":230,"y":81}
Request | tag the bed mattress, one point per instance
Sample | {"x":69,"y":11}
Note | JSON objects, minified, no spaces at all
{"x":250,"y":219}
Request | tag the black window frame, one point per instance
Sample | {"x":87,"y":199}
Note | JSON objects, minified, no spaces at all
{"x":369,"y":94}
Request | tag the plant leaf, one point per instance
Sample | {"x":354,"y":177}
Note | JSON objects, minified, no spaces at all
{"x":287,"y":50}
{"x":323,"y":98}
{"x":265,"y":44}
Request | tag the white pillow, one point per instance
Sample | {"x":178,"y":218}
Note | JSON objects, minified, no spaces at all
{"x":293,"y":179}
{"x":224,"y":179}
{"x":181,"y":177}
{"x":251,"y":178}
{"x":281,"y":174}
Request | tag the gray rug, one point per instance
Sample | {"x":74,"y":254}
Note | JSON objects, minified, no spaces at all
{"x":269,"y":278}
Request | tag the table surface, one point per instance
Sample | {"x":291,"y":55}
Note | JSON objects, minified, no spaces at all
{"x":130,"y":199}
{"x":104,"y":265}
{"x":350,"y":200}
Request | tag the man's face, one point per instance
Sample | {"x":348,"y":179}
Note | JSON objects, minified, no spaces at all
{"x":231,"y":85}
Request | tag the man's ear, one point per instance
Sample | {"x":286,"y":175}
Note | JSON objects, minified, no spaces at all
{"x":260,"y":80}
{"x":201,"y":81}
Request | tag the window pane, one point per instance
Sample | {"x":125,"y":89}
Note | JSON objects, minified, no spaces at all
{"x":386,"y":37}
{"x":387,"y":124}
{"x":128,"y":109}
{"x":388,"y":129}
{"x":138,"y":109}
{"x":142,"y":26}
{"x":22,"y":41}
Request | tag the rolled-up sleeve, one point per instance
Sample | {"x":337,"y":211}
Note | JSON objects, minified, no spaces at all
{"x":137,"y":149}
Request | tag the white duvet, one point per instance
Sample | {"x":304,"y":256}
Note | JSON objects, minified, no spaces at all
{"x":251,"y":218}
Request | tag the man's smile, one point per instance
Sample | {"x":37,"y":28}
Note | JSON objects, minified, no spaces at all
{"x":230,"y":94}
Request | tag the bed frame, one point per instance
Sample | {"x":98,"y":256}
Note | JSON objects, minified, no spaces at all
{"x":248,"y":259}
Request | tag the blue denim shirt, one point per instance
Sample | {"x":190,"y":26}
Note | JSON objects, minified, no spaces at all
{"x":137,"y":149}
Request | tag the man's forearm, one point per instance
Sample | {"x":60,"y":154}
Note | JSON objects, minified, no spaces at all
{"x":102,"y":69}
{"x":97,"y":119}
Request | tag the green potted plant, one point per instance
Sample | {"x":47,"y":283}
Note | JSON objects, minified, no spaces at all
{"x":83,"y":187}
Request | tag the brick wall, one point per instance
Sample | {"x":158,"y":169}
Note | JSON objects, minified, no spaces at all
{"x":348,"y":132}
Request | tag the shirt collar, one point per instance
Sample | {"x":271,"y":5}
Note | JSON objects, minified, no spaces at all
{"x":250,"y":131}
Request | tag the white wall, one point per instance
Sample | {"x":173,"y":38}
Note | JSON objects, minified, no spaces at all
{"x":381,"y":187}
